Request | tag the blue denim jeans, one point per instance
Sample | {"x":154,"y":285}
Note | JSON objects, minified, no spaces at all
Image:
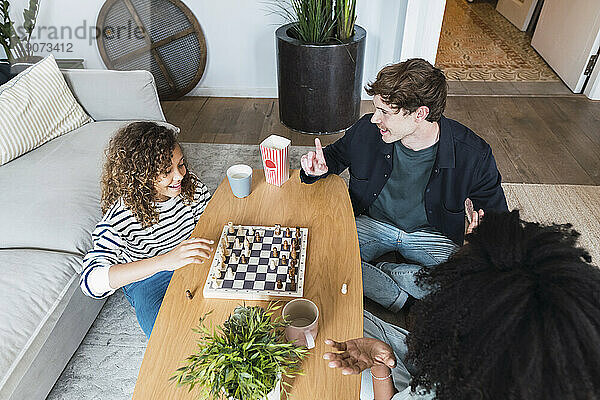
{"x":390,"y":284}
{"x":146,"y":297}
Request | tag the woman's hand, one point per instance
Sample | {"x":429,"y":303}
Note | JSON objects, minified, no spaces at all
{"x":194,"y":250}
{"x":356,"y":355}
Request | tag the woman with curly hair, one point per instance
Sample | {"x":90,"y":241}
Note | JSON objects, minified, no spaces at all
{"x":151,"y":204}
{"x":514,"y":314}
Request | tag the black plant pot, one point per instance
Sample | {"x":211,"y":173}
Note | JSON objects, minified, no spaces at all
{"x":319,"y":85}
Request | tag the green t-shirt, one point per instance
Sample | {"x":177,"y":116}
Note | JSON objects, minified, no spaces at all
{"x":402,"y":199}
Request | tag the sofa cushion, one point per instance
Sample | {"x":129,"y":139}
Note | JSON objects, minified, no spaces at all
{"x":35,"y":107}
{"x":33,"y":302}
{"x":51,"y":196}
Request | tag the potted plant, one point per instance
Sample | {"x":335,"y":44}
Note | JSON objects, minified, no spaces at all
{"x":320,"y":57}
{"x":6,"y":28}
{"x":13,"y":45}
{"x":244,"y":359}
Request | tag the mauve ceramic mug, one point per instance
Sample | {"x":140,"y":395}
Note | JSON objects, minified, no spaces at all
{"x":240,"y":179}
{"x":303,"y":316}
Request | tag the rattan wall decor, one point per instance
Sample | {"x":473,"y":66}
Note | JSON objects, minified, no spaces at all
{"x":161,"y":36}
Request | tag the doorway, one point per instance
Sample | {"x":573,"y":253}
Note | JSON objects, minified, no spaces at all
{"x":478,"y":44}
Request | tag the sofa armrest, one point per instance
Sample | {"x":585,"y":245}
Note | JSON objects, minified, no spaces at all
{"x":115,"y":95}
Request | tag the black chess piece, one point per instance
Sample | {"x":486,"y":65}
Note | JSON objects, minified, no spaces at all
{"x":279,"y":284}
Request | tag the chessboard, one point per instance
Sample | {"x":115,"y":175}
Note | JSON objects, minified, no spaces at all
{"x":258,"y":263}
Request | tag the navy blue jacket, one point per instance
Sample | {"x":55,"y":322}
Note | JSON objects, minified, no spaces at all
{"x":464,"y":167}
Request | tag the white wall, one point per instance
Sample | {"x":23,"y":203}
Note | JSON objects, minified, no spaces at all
{"x":240,"y":37}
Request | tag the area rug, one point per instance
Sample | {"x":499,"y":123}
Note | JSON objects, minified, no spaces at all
{"x":107,"y":363}
{"x":478,"y":44}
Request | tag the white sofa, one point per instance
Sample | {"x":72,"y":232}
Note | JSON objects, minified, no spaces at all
{"x":49,"y":205}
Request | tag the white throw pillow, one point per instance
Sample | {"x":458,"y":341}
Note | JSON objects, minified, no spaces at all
{"x":35,"y":107}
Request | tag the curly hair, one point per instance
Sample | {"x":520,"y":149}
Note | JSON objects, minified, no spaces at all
{"x":135,"y":157}
{"x":411,"y":84}
{"x":514,"y":314}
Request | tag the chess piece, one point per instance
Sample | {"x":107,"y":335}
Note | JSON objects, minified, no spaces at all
{"x":294,"y":254}
{"x":274,"y":252}
{"x":246,"y":244}
{"x":243,"y":259}
{"x":298,"y":233}
{"x":286,"y":245}
{"x":229,"y":274}
{"x":279,"y":284}
{"x":246,"y":252}
{"x":294,"y":244}
{"x":272,"y":266}
{"x":238,"y":243}
{"x":233,"y":258}
{"x":250,"y":231}
{"x":189,"y":294}
{"x":288,"y":233}
{"x":257,"y":237}
{"x":230,"y":230}
{"x":242,"y":232}
{"x":277,"y":229}
{"x":292,"y":262}
{"x":292,"y":271}
{"x":293,"y":286}
{"x":283,"y":259}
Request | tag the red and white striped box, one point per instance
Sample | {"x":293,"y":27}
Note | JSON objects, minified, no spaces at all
{"x":274,"y":151}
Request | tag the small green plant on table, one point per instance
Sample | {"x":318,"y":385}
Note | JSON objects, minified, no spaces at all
{"x":244,"y":358}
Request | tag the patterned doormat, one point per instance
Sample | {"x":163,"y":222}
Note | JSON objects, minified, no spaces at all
{"x":478,"y":44}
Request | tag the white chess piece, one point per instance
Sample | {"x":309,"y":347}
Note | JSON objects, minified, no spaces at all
{"x":229,"y":273}
{"x":230,"y":227}
{"x":272,"y":266}
{"x":247,"y":243}
{"x":233,"y":259}
{"x":237,"y":244}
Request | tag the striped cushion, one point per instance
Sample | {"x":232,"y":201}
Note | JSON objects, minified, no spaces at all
{"x":36,"y":106}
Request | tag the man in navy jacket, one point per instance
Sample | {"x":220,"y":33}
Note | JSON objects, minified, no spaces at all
{"x":411,"y":170}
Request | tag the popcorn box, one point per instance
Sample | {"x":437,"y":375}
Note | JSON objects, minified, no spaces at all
{"x":274,"y":152}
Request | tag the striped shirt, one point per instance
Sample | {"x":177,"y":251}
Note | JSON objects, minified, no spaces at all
{"x":119,"y":238}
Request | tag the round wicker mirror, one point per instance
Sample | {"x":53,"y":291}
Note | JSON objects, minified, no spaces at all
{"x":160,"y":36}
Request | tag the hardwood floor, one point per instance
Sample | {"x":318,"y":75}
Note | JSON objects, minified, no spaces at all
{"x":534,"y":139}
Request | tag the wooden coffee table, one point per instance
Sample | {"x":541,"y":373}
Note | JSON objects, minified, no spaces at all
{"x":333,"y":258}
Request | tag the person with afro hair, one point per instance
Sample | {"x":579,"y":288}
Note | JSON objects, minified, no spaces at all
{"x":514,"y":314}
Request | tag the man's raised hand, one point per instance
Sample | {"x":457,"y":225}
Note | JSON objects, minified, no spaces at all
{"x":314,"y":163}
